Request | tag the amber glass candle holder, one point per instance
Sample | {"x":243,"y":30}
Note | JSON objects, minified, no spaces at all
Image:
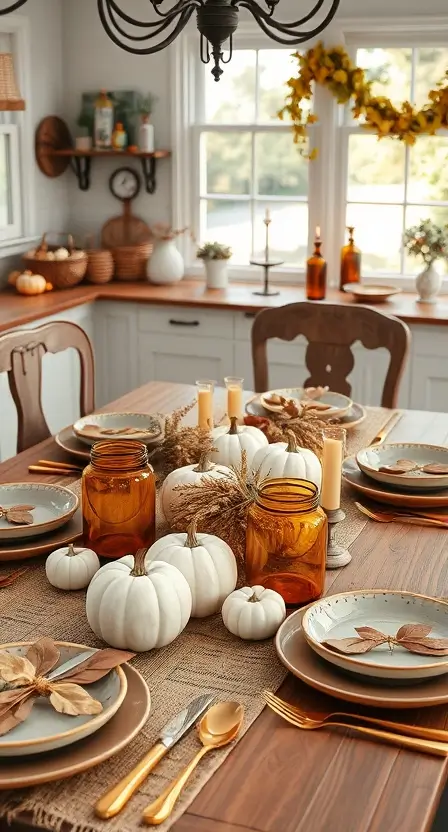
{"x":350,"y":262}
{"x":234,"y":397}
{"x":118,"y":499}
{"x":286,"y":540}
{"x":205,"y":390}
{"x":316,"y":274}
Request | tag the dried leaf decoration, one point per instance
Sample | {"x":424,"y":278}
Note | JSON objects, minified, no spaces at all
{"x":18,"y":515}
{"x":24,"y":681}
{"x":413,"y":637}
{"x":7,"y":580}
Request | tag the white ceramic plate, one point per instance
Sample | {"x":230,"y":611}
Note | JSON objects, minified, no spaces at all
{"x":370,"y":460}
{"x":337,"y":616}
{"x":46,"y":729}
{"x":143,"y":427}
{"x":54,"y":505}
{"x":337,"y":404}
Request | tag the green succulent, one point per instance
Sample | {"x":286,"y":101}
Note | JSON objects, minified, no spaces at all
{"x":214,"y":251}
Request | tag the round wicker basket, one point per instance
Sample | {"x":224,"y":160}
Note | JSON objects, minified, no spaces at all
{"x":62,"y":274}
{"x":100,"y":266}
{"x":131,"y":261}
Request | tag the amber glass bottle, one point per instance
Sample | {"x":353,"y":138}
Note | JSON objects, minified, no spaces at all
{"x":350,"y":261}
{"x":316,"y":273}
{"x":118,"y":499}
{"x":286,"y":540}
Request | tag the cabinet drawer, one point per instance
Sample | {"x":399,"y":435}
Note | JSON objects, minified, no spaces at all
{"x":188,"y":321}
{"x":243,"y":325}
{"x":430,"y":341}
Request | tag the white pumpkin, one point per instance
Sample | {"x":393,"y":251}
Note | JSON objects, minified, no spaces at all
{"x":229,"y":442}
{"x":70,"y":568}
{"x":253,"y":612}
{"x":61,"y":254}
{"x":286,"y":459}
{"x":135,"y":605}
{"x":207,"y":563}
{"x":188,"y":475}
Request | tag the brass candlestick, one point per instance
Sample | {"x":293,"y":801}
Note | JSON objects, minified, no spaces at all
{"x":337,"y":555}
{"x":266,"y":263}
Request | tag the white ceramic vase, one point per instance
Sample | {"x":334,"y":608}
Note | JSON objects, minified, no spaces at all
{"x":166,"y":264}
{"x":216,"y":274}
{"x":428,"y":284}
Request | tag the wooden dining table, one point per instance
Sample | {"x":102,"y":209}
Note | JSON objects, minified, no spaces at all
{"x":281,"y":779}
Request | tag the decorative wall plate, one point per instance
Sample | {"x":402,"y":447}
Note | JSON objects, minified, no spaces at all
{"x":382,"y":493}
{"x":50,"y":507}
{"x":33,"y":548}
{"x":372,"y":293}
{"x":354,"y":417}
{"x":380,"y":463}
{"x":333,"y":405}
{"x":110,"y":427}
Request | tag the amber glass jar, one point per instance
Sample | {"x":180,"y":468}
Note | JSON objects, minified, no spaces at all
{"x":316,"y":274}
{"x":286,"y":540}
{"x":118,"y":499}
{"x":350,"y":261}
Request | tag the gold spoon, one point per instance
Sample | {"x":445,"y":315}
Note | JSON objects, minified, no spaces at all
{"x":219,"y":726}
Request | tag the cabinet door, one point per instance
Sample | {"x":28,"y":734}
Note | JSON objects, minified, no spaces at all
{"x":115,"y":339}
{"x":183,"y":359}
{"x":429,"y":383}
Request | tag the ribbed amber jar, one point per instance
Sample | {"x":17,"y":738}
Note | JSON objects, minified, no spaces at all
{"x":286,"y":540}
{"x":118,"y":499}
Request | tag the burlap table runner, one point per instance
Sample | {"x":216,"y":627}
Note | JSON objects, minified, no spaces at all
{"x":205,"y":657}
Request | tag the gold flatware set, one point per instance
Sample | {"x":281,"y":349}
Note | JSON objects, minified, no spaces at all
{"x":385,"y":516}
{"x":382,"y":434}
{"x":51,"y":466}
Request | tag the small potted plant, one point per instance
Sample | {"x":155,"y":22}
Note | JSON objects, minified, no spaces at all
{"x":429,"y":242}
{"x":215,"y":257}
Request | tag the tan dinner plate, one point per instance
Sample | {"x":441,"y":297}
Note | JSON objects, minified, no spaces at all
{"x":386,"y":494}
{"x":58,"y":765}
{"x":67,"y":440}
{"x":25,"y":548}
{"x":294,"y":652}
{"x":351,"y":419}
{"x":372,"y":293}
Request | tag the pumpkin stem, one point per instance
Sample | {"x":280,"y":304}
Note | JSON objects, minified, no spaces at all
{"x":292,"y":442}
{"x":233,"y":426}
{"x":70,"y":551}
{"x":192,"y":542}
{"x":139,"y":569}
{"x":253,"y":599}
{"x":204,"y":465}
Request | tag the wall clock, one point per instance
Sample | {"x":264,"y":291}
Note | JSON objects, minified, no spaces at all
{"x":125,"y":184}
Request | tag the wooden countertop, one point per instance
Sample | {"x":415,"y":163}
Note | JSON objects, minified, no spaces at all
{"x":17,"y":310}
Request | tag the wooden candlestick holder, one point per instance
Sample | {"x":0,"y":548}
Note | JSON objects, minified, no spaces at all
{"x":337,"y":555}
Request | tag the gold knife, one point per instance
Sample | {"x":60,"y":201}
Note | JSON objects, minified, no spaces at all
{"x":114,"y":800}
{"x":386,"y":429}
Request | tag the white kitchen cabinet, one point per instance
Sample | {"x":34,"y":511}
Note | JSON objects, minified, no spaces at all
{"x":183,"y":359}
{"x":429,"y":389}
{"x":116,"y":349}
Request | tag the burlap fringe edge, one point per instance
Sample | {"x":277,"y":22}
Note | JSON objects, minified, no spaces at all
{"x":40,"y":818}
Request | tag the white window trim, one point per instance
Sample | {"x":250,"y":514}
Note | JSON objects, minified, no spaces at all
{"x":328,"y":174}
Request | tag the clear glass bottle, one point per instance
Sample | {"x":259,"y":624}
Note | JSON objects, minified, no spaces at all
{"x":316,"y":272}
{"x":350,"y":261}
{"x":103,"y":121}
{"x":118,"y":499}
{"x":286,"y":540}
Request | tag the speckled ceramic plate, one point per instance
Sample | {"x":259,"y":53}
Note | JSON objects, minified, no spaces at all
{"x":372,"y":293}
{"x":334,"y":405}
{"x":337,"y":617}
{"x":110,"y":427}
{"x":52,"y":507}
{"x":371,"y":459}
{"x":383,"y":493}
{"x":34,"y":547}
{"x":354,"y":417}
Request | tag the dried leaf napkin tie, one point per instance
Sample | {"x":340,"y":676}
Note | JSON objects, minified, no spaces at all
{"x":18,"y":515}
{"x":413,"y":637}
{"x":25,"y":681}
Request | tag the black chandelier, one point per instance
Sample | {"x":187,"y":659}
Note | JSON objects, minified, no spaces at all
{"x":217,"y":21}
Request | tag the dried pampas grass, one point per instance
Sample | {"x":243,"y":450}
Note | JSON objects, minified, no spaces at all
{"x":181,"y":445}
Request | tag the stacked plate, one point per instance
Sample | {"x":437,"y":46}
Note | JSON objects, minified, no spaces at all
{"x":312,"y":643}
{"x":334,"y":407}
{"x":79,"y":438}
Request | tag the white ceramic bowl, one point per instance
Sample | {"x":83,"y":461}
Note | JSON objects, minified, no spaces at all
{"x":337,"y":404}
{"x":54,"y":505}
{"x":336,"y":617}
{"x":370,"y":460}
{"x":90,"y":429}
{"x":45,"y":729}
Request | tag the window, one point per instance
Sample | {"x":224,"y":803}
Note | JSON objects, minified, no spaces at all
{"x":10,"y":208}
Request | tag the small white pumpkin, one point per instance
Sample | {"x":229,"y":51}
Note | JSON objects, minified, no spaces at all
{"x":188,"y":475}
{"x":70,"y":568}
{"x":285,"y":459}
{"x":229,"y":442}
{"x":253,"y":612}
{"x":135,"y":605}
{"x":207,"y":563}
{"x":61,"y":254}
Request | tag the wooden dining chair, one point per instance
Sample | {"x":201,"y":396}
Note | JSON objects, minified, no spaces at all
{"x":331,"y":330}
{"x":21,"y":355}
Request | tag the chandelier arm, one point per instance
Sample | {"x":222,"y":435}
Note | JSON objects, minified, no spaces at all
{"x":13,"y":7}
{"x":254,"y":9}
{"x":307,"y":17}
{"x":146,"y":24}
{"x":182,"y":22}
{"x":113,"y":9}
{"x":177,"y":7}
{"x":266,"y":23}
{"x":161,"y":25}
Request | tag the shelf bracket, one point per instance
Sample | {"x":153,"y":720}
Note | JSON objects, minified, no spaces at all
{"x":149,"y":173}
{"x":82,"y":166}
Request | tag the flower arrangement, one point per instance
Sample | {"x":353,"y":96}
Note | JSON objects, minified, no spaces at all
{"x":163,"y":231}
{"x":428,"y":241}
{"x":334,"y":69}
{"x":214,"y":251}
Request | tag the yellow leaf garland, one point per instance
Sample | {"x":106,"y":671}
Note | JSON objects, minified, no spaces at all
{"x":334,"y":69}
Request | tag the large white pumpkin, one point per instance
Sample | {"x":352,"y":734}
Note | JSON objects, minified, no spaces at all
{"x":137,"y":606}
{"x":286,"y":460}
{"x":253,"y":612}
{"x":188,"y":475}
{"x":71,"y":568}
{"x":230,"y":442}
{"x":207,"y":563}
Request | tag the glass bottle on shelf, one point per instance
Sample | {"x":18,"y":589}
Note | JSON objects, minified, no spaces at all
{"x":286,"y":540}
{"x":316,"y":272}
{"x":350,"y":261}
{"x":118,"y":499}
{"x":103,"y":121}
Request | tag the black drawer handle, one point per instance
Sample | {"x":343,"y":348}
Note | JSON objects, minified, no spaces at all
{"x":183,"y":323}
{"x":250,"y":315}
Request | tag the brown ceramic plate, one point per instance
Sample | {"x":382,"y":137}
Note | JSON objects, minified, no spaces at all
{"x":372,"y":293}
{"x":67,"y":440}
{"x":58,"y":765}
{"x":294,"y":652}
{"x":382,"y":493}
{"x":351,"y":419}
{"x":22,"y":549}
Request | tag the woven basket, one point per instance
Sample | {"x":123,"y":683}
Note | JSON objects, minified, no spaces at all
{"x":100,"y":266}
{"x":131,"y":261}
{"x":62,"y":274}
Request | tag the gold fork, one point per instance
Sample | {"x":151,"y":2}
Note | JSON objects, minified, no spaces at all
{"x":416,"y":520}
{"x":440,"y":749}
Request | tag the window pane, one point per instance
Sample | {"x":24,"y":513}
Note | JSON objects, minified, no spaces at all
{"x":228,"y":222}
{"x":428,"y":174}
{"x":275,"y":66}
{"x":414,"y":216}
{"x":430,"y":68}
{"x":390,"y":70}
{"x":228,"y":163}
{"x":281,"y":170}
{"x":288,"y":232}
{"x":376,"y":170}
{"x":378,"y":233}
{"x":5,"y":192}
{"x":232,"y":100}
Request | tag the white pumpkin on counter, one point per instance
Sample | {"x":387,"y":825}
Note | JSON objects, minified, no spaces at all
{"x":283,"y":460}
{"x":230,"y":442}
{"x":207,"y":563}
{"x":253,"y":612}
{"x":134,"y":605}
{"x":188,"y":475}
{"x":71,"y":568}
{"x":61,"y":254}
